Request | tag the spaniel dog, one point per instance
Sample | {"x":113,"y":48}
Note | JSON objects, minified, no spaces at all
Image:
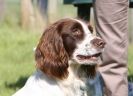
{"x":66,"y":57}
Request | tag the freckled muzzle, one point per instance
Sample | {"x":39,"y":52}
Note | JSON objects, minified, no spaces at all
{"x":97,"y":47}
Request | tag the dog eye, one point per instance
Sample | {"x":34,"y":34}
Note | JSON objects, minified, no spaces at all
{"x":76,"y":32}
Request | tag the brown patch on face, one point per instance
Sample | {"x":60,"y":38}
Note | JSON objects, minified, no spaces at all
{"x":72,"y":33}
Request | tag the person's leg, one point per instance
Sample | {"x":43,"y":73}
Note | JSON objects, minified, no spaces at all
{"x":112,"y":25}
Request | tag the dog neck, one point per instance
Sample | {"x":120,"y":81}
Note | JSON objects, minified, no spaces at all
{"x":77,"y":80}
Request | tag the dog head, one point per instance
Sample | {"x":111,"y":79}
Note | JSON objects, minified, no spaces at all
{"x":65,"y":40}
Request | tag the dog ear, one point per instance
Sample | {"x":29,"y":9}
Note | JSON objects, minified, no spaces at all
{"x":50,"y":54}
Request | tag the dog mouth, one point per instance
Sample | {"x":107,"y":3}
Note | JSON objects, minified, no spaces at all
{"x":89,"y":57}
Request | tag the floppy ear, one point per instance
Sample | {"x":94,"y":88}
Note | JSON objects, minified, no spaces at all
{"x":50,"y":54}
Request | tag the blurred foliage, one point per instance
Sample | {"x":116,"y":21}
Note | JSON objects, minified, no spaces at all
{"x":12,"y":15}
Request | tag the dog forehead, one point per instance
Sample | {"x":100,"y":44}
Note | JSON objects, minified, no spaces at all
{"x":71,"y":21}
{"x":84,"y":26}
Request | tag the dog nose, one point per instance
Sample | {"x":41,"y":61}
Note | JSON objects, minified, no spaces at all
{"x":98,"y":43}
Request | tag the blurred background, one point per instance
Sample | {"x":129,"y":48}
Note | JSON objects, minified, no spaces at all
{"x":21,"y":25}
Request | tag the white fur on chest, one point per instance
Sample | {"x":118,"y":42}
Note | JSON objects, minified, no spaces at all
{"x":74,"y":85}
{"x":41,"y":85}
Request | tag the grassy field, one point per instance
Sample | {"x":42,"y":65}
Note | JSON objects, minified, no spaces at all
{"x":16,"y":58}
{"x":130,"y":62}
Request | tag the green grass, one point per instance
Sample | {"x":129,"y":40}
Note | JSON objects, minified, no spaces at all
{"x":16,"y":58}
{"x":130,"y":63}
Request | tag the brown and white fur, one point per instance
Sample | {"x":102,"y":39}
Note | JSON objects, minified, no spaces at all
{"x":66,"y":59}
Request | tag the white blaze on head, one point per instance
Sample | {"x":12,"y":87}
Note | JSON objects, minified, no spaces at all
{"x":85,"y":47}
